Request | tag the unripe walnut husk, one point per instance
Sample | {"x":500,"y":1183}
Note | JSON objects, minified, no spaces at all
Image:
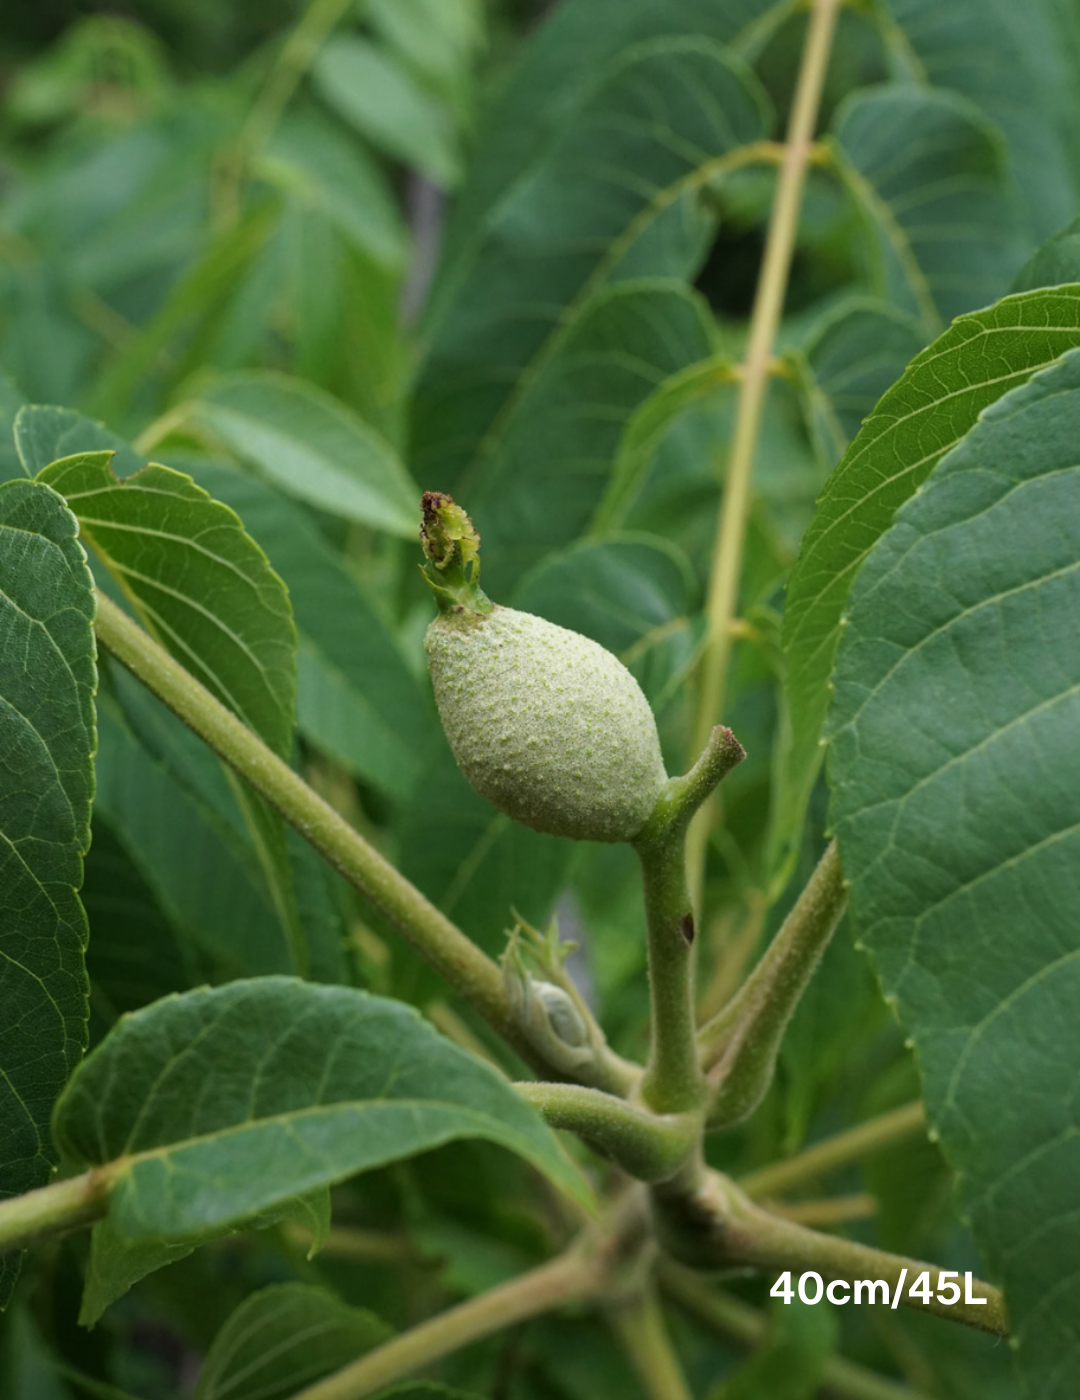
{"x":546,"y":724}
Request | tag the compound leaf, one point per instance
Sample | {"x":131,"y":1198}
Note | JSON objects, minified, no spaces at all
{"x":931,"y":178}
{"x":617,"y":194}
{"x":537,"y":487}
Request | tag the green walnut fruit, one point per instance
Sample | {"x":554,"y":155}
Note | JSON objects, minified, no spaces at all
{"x":546,"y":724}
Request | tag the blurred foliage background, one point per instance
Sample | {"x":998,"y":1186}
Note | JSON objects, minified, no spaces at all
{"x":324,"y":257}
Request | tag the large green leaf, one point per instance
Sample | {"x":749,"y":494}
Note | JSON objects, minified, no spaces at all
{"x":558,"y":67}
{"x":284,"y":1338}
{"x":197,"y":579}
{"x":955,"y":776}
{"x":48,"y":678}
{"x":537,"y":488}
{"x":615,"y":195}
{"x":931,"y":179}
{"x":926,"y":413}
{"x":311,"y":446}
{"x":1018,"y":64}
{"x":206,"y":590}
{"x":231,"y":1101}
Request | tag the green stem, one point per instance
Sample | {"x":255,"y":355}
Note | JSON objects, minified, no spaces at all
{"x":719,"y":1227}
{"x":570,"y":1278}
{"x":449,"y":951}
{"x":673,"y":1080}
{"x":639,"y":1324}
{"x":647,"y":1146}
{"x":838,"y":1151}
{"x":723,"y":597}
{"x":842,"y":1379}
{"x":60,"y":1206}
{"x":741,"y":1043}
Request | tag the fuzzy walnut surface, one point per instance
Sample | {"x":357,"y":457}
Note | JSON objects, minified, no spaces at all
{"x":546,"y":724}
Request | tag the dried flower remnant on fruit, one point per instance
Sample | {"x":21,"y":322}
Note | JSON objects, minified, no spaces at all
{"x":445,"y":526}
{"x":546,"y":724}
{"x":451,"y":546}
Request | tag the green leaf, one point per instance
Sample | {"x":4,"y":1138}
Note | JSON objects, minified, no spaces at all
{"x":790,"y":1362}
{"x":847,"y":362}
{"x":28,"y":1370}
{"x":537,"y":486}
{"x":633,"y":594}
{"x":1017,"y":63}
{"x":11,"y":400}
{"x":206,"y":590}
{"x":955,"y":777}
{"x":198,"y":581}
{"x":357,"y":701}
{"x":616,"y":195}
{"x":201,"y":296}
{"x":557,"y":69}
{"x":311,"y":446}
{"x":926,"y":413}
{"x":646,"y":429}
{"x":931,"y":180}
{"x":376,"y":95}
{"x":45,"y":433}
{"x":200,"y":869}
{"x":318,"y":165}
{"x":283,"y":1338}
{"x":48,"y":677}
{"x":437,"y":37}
{"x":1055,"y":264}
{"x":230,"y":1101}
{"x":117,"y":1262}
{"x":134,"y":956}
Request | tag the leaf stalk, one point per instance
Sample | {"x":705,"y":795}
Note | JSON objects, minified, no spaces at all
{"x":647,"y":1146}
{"x":742,"y":1042}
{"x":62,"y":1205}
{"x":723,"y":596}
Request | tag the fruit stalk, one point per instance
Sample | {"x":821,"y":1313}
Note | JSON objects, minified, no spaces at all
{"x":673,"y":1081}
